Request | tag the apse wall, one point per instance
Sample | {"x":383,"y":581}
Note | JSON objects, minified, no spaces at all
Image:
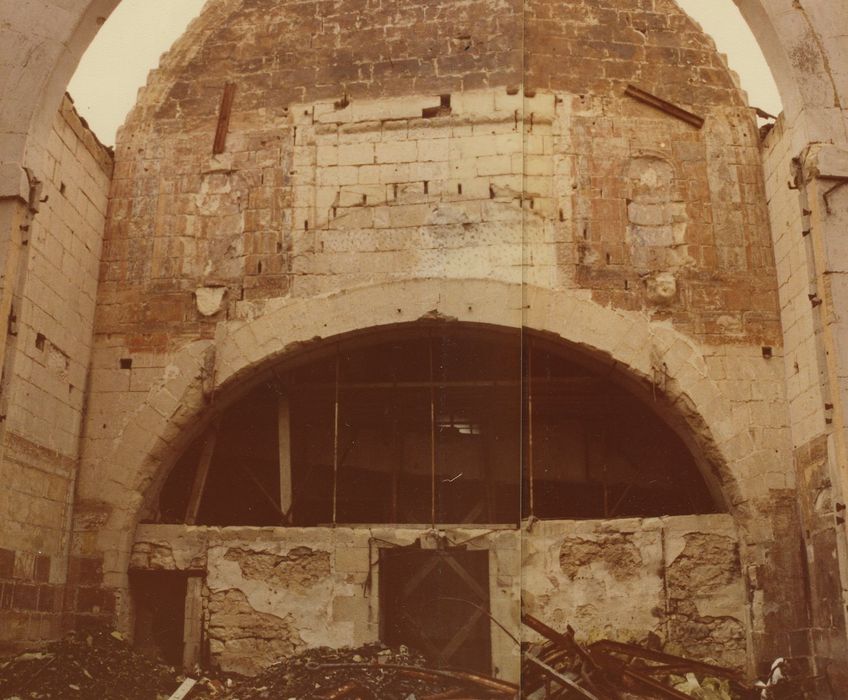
{"x":298,"y":170}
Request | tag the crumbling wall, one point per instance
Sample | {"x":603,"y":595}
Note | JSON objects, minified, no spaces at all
{"x":344,"y":167}
{"x":551,"y":181}
{"x":273,"y":591}
{"x":44,"y":380}
{"x":674,"y":581}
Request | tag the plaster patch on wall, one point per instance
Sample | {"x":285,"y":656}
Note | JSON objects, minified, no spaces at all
{"x":678,"y":578}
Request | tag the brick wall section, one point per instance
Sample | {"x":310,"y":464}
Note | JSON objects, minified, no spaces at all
{"x":180,"y":219}
{"x":563,"y":183}
{"x":598,"y":46}
{"x":47,"y":368}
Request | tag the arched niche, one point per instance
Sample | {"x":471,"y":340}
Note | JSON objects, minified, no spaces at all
{"x":434,"y":422}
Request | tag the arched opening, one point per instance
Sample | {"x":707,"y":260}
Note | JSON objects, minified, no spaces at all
{"x":437,"y":423}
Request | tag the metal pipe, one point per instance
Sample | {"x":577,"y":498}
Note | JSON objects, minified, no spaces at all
{"x":336,"y":438}
{"x":432,"y":438}
{"x":530,"y":467}
{"x":550,"y":672}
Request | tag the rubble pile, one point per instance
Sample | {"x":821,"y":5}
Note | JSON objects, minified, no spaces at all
{"x":101,"y":665}
{"x":373,"y":672}
{"x":609,"y":670}
{"x":94,"y":665}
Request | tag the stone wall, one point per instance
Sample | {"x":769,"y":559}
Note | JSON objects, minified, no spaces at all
{"x":271,"y":592}
{"x":404,"y":155}
{"x":614,"y":196}
{"x":274,"y":591}
{"x":677,"y":579}
{"x":40,"y":43}
{"x":809,"y":282}
{"x":45,"y":379}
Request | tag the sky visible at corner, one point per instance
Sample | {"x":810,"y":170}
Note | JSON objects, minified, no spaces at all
{"x":129,"y":45}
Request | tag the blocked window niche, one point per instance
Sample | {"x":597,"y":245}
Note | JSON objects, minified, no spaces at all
{"x":434,"y":423}
{"x":168,"y":616}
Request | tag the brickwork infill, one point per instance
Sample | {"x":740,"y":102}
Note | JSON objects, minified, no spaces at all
{"x":589,"y":215}
{"x":181,"y":220}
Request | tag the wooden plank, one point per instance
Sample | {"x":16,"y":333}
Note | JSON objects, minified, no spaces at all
{"x":664,"y":106}
{"x":184,"y":689}
{"x":224,"y":119}
{"x":482,"y":595}
{"x":284,"y":446}
{"x":204,"y":462}
{"x":552,"y":673}
{"x":193,"y":622}
{"x":459,"y":638}
{"x":257,"y":482}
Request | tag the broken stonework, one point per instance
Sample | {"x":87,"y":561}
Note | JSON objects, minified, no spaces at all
{"x":244,"y":640}
{"x":300,"y":568}
{"x":676,"y":578}
{"x":617,"y":551}
{"x":210,"y":300}
{"x":702,"y":591}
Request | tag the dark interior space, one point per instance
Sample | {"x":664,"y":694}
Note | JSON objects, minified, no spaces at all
{"x":438,"y":602}
{"x":436,"y":423}
{"x":159,"y":604}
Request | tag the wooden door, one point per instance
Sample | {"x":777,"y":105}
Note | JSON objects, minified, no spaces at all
{"x":437,"y":602}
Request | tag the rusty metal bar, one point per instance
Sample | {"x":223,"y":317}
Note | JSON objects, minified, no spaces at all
{"x":224,"y":118}
{"x":653,"y":686}
{"x":432,"y":437}
{"x":586,"y":383}
{"x":567,"y":642}
{"x":633,"y":650}
{"x":336,"y":438}
{"x":664,"y":106}
{"x":556,"y":676}
{"x":530,"y":465}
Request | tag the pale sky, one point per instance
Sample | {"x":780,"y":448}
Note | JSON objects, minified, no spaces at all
{"x":139,"y":31}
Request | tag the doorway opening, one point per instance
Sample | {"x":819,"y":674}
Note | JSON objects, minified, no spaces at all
{"x":438,"y":601}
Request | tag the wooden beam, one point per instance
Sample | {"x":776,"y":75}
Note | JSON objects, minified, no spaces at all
{"x":224,"y":119}
{"x":284,"y":447}
{"x":257,"y":482}
{"x":587,"y":383}
{"x":193,"y":622}
{"x":667,"y":107}
{"x":204,"y":462}
{"x":185,"y":688}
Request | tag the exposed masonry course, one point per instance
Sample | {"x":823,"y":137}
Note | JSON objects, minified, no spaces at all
{"x":478,"y":161}
{"x":445,"y":164}
{"x":48,"y":357}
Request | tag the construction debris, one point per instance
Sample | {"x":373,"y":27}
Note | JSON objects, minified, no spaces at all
{"x":94,"y":665}
{"x":101,"y":665}
{"x":609,"y":670}
{"x":373,"y":672}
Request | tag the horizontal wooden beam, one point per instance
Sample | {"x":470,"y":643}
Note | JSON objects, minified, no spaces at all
{"x":664,"y":106}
